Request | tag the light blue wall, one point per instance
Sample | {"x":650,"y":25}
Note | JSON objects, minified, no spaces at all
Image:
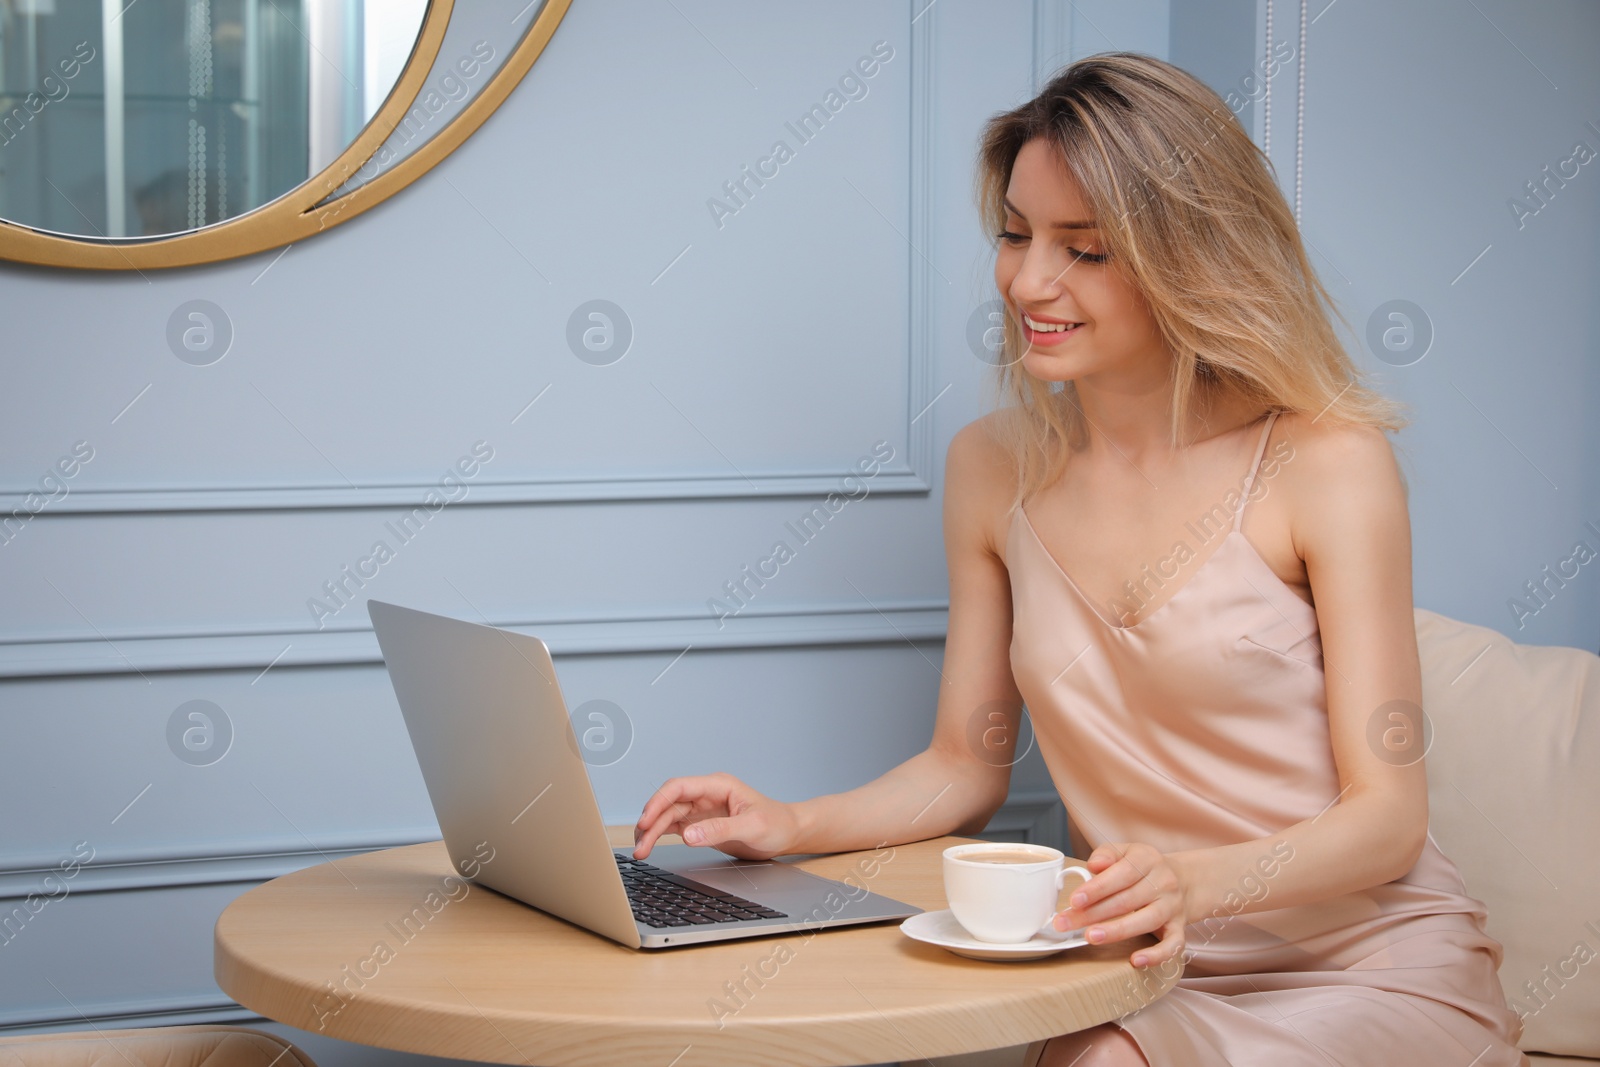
{"x":1423,"y":122}
{"x":769,"y":354}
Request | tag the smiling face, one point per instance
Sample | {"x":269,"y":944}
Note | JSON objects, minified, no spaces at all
{"x":1050,"y":268}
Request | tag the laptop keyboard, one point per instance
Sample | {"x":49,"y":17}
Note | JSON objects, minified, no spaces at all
{"x":661,"y":898}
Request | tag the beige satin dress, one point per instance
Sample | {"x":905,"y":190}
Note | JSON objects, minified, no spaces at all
{"x":1204,"y":724}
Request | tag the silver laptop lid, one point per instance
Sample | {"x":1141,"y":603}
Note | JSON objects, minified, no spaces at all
{"x":502,"y":766}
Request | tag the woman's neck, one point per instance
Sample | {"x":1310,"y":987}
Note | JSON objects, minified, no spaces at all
{"x":1136,"y":427}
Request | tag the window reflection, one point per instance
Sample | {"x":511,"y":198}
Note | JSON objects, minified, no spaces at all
{"x":157,"y":117}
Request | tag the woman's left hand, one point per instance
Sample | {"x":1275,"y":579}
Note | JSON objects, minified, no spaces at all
{"x":1135,"y":890}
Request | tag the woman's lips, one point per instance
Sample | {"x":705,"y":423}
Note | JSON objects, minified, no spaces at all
{"x":1048,"y":337}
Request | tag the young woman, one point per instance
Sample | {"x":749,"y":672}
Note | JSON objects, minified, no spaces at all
{"x":1227,"y":694}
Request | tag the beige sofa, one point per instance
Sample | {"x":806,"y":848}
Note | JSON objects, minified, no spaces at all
{"x":156,"y":1046}
{"x":1514,"y":800}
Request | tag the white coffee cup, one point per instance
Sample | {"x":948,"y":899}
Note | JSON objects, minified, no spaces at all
{"x":999,"y":898}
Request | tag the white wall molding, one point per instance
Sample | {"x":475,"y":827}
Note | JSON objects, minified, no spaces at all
{"x":887,"y":621}
{"x":172,"y":866}
{"x":1037,"y":814}
{"x":923,"y":354}
{"x":84,"y":501}
{"x":132,"y":1012}
{"x":1052,"y":39}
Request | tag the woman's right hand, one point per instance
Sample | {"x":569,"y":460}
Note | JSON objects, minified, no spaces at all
{"x":723,"y":812}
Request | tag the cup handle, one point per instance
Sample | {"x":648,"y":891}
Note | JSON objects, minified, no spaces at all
{"x":1060,"y":880}
{"x":1087,"y":874}
{"x":1063,"y":875}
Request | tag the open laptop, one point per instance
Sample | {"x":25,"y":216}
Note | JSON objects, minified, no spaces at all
{"x":511,"y":791}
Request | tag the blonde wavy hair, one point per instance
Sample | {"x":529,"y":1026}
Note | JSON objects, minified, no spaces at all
{"x":1191,"y":213}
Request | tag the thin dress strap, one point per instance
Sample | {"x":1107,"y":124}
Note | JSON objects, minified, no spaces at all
{"x":1261,"y":448}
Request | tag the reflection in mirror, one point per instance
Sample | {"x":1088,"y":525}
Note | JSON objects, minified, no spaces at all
{"x":128,"y":120}
{"x":480,"y":38}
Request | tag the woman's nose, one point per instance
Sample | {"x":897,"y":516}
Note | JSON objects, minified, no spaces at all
{"x":1038,"y":280}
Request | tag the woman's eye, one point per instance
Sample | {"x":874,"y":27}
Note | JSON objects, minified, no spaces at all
{"x":1087,"y":257}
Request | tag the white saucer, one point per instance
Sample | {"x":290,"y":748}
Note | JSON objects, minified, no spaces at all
{"x":940,"y":928}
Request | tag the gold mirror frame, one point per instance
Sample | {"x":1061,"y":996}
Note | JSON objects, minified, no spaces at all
{"x":296,"y":215}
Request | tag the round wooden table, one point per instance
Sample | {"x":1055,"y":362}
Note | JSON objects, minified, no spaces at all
{"x":380,"y":949}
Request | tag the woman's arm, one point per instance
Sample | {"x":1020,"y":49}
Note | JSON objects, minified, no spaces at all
{"x":979,"y":709}
{"x":1350,"y":524}
{"x":961,"y":779}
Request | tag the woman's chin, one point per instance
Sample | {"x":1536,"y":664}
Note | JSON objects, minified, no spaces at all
{"x":1049,"y":367}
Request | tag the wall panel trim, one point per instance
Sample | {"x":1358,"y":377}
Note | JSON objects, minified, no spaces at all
{"x":83,"y":501}
{"x":1052,"y":39}
{"x":130,"y":1013}
{"x":172,"y":866}
{"x":884,"y":622}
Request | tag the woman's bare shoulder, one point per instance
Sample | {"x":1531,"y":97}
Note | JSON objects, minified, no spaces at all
{"x":1341,"y":474}
{"x":1328,"y":452}
{"x":980,"y":477}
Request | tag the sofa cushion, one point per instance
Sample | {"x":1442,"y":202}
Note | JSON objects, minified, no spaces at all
{"x":1514,"y":800}
{"x":160,"y":1046}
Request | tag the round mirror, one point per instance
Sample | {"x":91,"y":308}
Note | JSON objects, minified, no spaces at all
{"x":157,"y":133}
{"x":159,"y":118}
